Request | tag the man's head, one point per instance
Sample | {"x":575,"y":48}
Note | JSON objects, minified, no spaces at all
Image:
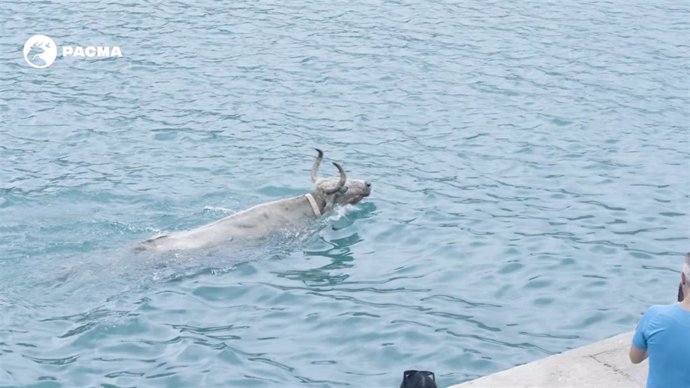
{"x":684,"y":288}
{"x":338,"y":190}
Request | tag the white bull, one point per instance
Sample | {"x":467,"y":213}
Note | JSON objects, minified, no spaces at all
{"x":268,"y":218}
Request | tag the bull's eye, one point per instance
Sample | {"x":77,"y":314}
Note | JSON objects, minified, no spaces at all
{"x":343,"y":189}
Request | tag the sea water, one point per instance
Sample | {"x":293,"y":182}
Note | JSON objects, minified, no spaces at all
{"x":529,"y":163}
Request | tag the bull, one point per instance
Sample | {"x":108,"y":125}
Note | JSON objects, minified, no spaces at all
{"x":268,"y":218}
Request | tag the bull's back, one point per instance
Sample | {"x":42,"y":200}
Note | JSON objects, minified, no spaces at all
{"x":254,"y":223}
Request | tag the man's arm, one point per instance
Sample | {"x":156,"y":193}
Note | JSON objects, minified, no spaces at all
{"x":637,"y":355}
{"x":638,"y":348}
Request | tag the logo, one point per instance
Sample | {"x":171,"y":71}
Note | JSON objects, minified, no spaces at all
{"x":40,"y":51}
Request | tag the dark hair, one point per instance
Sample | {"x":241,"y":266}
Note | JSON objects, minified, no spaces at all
{"x":418,"y":379}
{"x":680,"y":292}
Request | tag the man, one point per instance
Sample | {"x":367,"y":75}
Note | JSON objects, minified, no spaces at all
{"x":663,"y":334}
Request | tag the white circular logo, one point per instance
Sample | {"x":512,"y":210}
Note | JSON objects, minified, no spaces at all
{"x":40,"y":51}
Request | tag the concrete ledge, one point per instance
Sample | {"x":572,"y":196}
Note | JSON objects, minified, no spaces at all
{"x":601,"y":364}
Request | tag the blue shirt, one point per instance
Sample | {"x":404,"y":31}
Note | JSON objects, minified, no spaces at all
{"x":665,"y":332}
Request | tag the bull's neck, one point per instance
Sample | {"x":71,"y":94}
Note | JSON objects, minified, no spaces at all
{"x":319,"y":201}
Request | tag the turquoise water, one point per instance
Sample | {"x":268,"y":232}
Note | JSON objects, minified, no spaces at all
{"x":530,"y":178}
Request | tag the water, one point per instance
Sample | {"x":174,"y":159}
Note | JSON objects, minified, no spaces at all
{"x":529,"y":161}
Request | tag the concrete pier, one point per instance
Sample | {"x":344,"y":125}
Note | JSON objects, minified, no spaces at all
{"x":601,"y":364}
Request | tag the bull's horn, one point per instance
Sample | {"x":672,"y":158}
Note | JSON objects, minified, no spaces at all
{"x":315,"y":167}
{"x":341,"y":182}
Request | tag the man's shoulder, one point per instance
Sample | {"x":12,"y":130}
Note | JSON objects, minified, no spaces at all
{"x":667,"y":311}
{"x":661,"y":308}
{"x":656,"y":312}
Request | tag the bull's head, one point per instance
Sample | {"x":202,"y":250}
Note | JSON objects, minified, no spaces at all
{"x":333,"y":191}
